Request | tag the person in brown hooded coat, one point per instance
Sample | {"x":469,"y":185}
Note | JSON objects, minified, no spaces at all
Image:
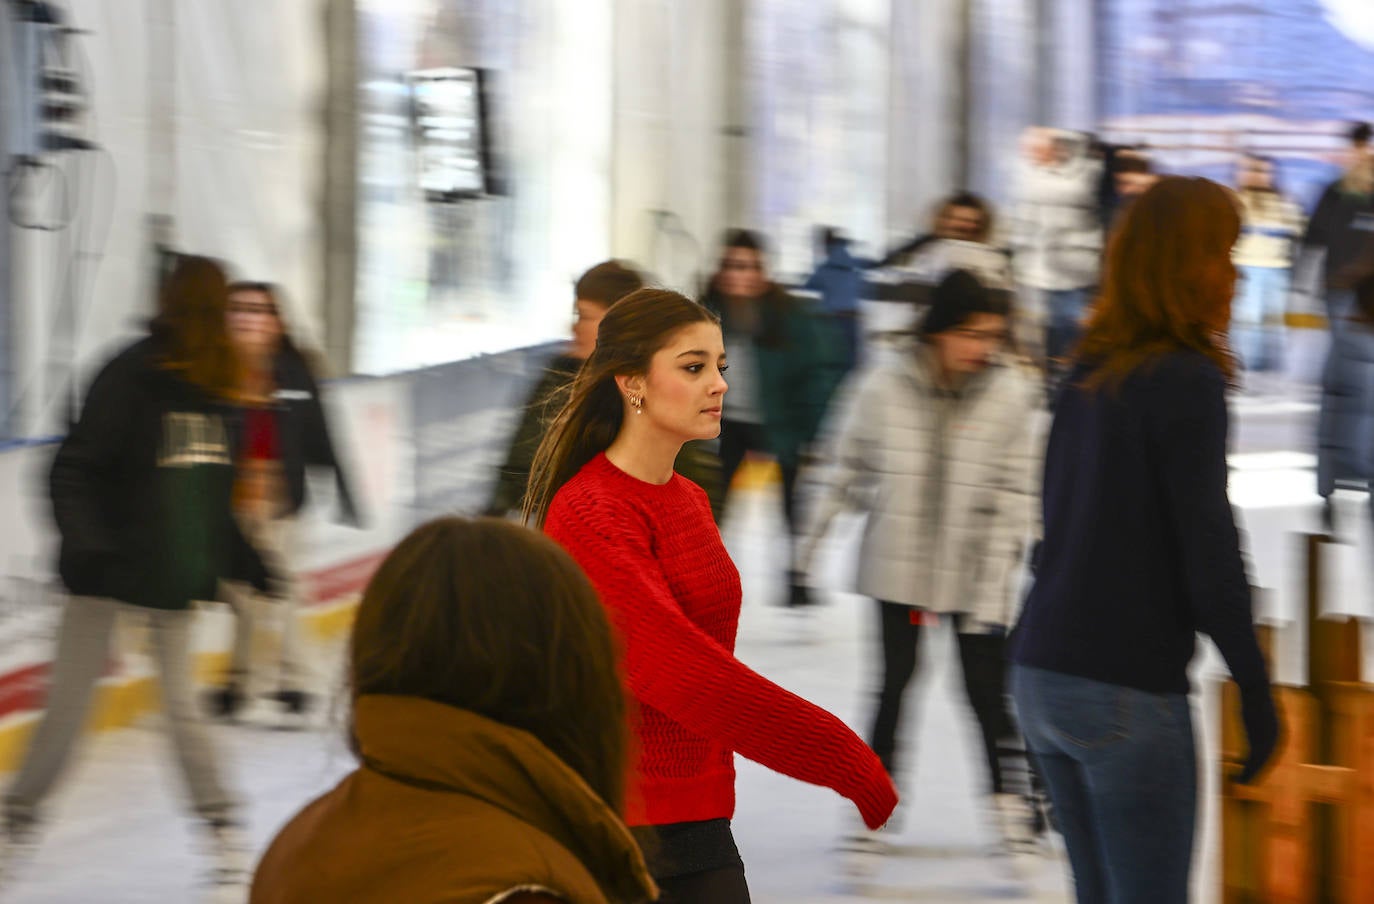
{"x":490,"y":722}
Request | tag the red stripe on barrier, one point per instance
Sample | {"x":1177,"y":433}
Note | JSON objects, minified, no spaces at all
{"x":329,"y":585}
{"x":23,"y":689}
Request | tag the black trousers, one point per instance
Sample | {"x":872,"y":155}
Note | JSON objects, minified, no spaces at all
{"x":738,"y":439}
{"x":694,"y":862}
{"x":983,"y":661}
{"x":718,"y":886}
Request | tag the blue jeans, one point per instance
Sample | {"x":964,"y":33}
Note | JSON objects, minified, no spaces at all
{"x":1064,"y":323}
{"x":1257,"y":317}
{"x":1121,"y":768}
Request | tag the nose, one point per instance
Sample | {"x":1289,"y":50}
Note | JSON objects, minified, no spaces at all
{"x":720,"y":386}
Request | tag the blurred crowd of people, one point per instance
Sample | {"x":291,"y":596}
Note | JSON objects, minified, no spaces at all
{"x":550,"y":713}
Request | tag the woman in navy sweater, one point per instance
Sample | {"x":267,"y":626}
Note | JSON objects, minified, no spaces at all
{"x":1140,"y":553}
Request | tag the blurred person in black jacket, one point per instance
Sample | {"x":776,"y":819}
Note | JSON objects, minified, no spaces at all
{"x":141,"y":491}
{"x":284,"y":431}
{"x":594,"y":293}
{"x":1343,"y":223}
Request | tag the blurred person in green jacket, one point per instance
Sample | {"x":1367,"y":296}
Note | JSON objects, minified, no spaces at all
{"x":783,"y":371}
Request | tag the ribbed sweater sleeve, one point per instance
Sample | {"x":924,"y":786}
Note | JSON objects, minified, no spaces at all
{"x":1192,"y":452}
{"x":672,"y":666}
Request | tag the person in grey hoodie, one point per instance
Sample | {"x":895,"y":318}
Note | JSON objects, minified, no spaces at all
{"x":937,"y":448}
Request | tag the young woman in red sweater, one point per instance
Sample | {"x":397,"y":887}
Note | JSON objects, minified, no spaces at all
{"x":603,"y":486}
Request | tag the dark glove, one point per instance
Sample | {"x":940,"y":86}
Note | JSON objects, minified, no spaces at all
{"x":1262,"y":731}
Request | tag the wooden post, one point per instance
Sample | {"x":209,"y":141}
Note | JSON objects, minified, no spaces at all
{"x":1270,"y":830}
{"x":1277,"y":848}
{"x":1352,"y":743}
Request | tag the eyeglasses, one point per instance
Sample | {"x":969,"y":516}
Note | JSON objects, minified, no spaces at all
{"x":262,"y":308}
{"x":987,"y":337}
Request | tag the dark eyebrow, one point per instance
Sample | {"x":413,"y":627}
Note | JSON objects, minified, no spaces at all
{"x":695,"y":351}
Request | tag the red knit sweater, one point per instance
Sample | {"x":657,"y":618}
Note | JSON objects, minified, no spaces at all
{"x":656,"y":557}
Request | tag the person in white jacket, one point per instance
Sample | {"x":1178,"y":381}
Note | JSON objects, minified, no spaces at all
{"x":937,"y":446}
{"x":1056,"y":234}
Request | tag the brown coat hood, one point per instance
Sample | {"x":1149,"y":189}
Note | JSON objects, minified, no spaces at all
{"x":450,"y":806}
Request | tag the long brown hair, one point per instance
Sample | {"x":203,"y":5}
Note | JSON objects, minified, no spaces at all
{"x":190,"y":324}
{"x":1167,"y":282}
{"x":496,"y":619}
{"x":633,"y":330}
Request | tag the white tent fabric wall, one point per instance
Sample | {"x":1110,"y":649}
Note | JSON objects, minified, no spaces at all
{"x":1002,"y":73}
{"x":115,"y":78}
{"x":1070,"y":55}
{"x":248,"y":80}
{"x":818,"y":78}
{"x":923,"y":110}
{"x":671,"y":149}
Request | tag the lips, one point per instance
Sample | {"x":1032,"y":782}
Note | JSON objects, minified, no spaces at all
{"x":714,"y":412}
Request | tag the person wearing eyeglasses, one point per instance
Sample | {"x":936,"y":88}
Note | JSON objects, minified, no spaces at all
{"x":937,"y":447}
{"x":284,"y":432}
{"x":784,"y":369}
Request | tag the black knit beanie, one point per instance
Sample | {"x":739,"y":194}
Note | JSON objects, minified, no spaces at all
{"x":958,"y":297}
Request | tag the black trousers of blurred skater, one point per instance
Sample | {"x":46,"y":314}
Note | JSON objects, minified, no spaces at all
{"x":694,"y":862}
{"x":983,"y":660}
{"x":737,"y":439}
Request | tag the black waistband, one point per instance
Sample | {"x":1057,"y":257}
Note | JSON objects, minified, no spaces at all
{"x":687,"y":848}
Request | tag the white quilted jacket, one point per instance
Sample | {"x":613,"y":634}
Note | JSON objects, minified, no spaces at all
{"x":949,"y":485}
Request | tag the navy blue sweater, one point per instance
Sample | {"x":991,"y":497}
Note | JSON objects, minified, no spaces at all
{"x":1140,"y":549}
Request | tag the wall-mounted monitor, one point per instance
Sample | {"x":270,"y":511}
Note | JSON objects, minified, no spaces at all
{"x":450,"y":122}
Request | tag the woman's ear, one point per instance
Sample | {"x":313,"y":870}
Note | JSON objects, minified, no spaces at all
{"x":630,"y":384}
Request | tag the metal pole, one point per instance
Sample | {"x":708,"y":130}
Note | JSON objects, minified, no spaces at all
{"x":735,"y":131}
{"x":963,"y":63}
{"x":339,"y":202}
{"x":160,"y":201}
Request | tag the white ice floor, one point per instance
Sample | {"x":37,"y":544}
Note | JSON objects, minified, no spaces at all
{"x":118,"y":835}
{"x":117,"y":832}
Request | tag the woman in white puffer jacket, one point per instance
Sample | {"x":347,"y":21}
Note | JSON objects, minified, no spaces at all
{"x":938,"y":447}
